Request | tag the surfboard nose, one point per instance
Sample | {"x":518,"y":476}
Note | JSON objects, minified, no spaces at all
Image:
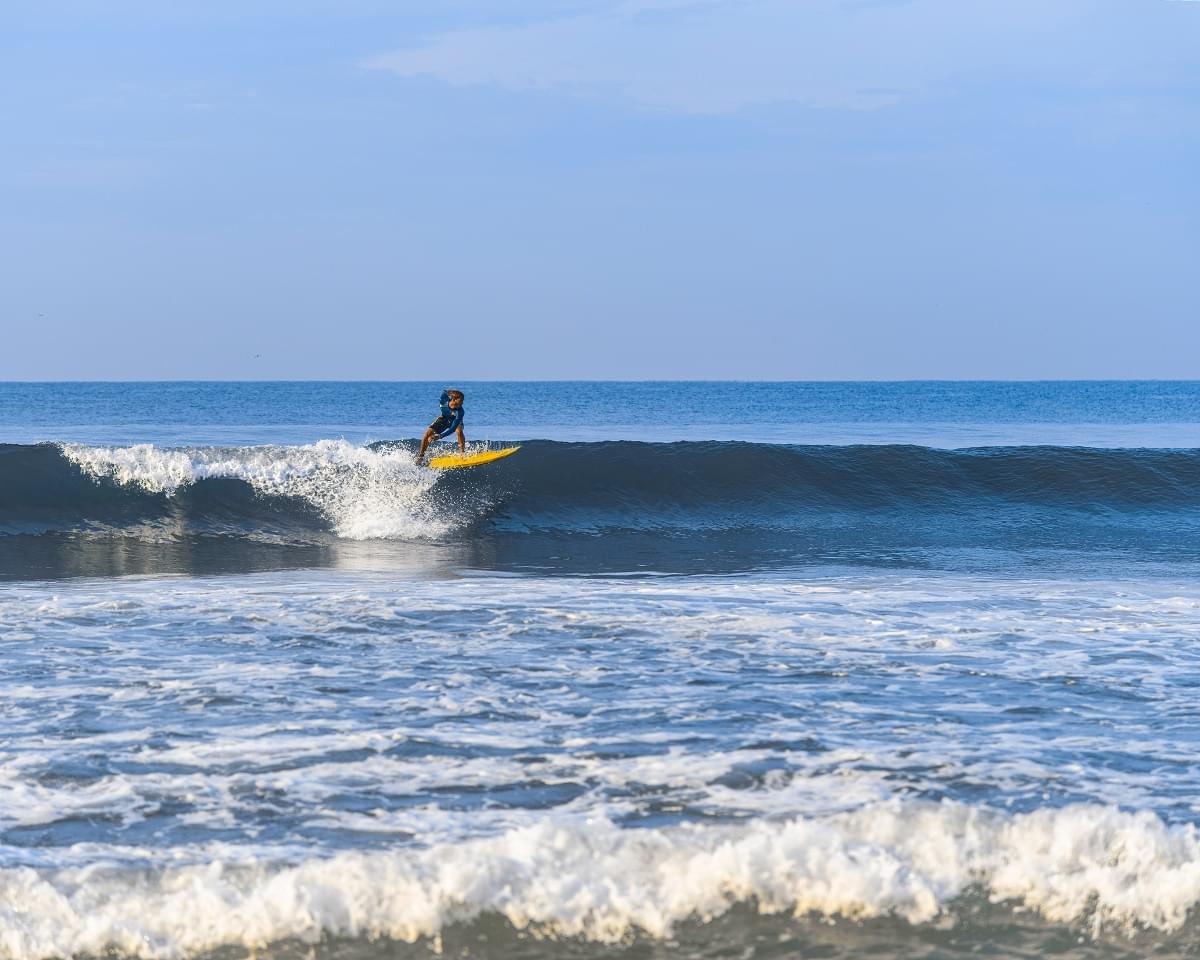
{"x":457,"y":461}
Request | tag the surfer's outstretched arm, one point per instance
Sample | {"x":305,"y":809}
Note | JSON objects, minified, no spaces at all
{"x":462,"y":441}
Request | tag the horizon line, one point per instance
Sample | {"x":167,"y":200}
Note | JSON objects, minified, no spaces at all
{"x":681,"y":380}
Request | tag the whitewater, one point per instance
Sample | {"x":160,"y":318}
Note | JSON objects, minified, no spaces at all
{"x":907,"y":687}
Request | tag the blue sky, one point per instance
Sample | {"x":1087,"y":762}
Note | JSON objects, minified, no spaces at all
{"x":743,"y":189}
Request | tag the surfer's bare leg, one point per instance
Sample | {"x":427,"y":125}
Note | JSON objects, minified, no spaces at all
{"x":425,"y":443}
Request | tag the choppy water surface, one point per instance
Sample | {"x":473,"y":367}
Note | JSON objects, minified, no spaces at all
{"x":303,"y":754}
{"x":608,"y":699}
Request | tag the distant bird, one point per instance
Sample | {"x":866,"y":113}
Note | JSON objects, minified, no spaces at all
{"x":257,"y":355}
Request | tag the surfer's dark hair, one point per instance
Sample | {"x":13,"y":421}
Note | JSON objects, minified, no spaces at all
{"x":456,"y":395}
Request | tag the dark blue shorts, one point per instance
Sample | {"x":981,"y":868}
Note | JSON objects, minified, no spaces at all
{"x":440,"y":425}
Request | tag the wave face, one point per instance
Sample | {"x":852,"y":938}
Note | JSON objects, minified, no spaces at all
{"x":755,"y":483}
{"x":793,"y":502}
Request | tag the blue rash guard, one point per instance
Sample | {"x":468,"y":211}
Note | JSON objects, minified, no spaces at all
{"x":450,"y":420}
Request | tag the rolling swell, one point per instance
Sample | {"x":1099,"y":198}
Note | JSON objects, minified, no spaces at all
{"x":364,"y":493}
{"x":739,"y":479}
{"x":729,"y":507}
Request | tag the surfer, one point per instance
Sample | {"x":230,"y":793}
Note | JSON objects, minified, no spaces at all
{"x":450,"y":421}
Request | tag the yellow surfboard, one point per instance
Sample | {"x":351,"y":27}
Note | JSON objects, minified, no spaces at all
{"x":454,"y":461}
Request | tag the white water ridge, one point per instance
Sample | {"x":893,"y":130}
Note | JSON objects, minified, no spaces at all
{"x":592,"y":880}
{"x":365,"y":493}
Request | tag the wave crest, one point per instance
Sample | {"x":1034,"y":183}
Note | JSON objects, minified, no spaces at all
{"x":364,"y":493}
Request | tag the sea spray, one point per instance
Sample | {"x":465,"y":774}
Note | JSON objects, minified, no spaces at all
{"x":365,"y":493}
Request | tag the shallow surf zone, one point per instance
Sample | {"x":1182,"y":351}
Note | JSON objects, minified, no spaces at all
{"x":352,"y":762}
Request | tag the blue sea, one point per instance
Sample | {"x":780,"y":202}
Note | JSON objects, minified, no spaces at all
{"x":704,"y":670}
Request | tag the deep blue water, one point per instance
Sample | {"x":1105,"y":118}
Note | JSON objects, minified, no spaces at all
{"x":931,"y":413}
{"x":705,"y":669}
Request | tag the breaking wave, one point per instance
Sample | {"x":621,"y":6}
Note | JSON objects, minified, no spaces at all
{"x":376,"y":492}
{"x":1092,"y":867}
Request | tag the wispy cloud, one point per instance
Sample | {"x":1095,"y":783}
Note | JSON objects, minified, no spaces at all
{"x":720,"y":55}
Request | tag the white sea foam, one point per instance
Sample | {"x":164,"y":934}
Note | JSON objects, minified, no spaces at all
{"x":365,"y":493}
{"x":420,"y":698}
{"x":1085,"y":865}
{"x":234,"y":761}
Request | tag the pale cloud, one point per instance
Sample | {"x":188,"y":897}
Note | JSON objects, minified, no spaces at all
{"x":722,"y":55}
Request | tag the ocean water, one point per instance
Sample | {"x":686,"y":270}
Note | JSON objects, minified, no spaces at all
{"x":705,"y":670}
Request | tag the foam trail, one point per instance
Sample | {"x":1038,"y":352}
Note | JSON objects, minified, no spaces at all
{"x":365,"y":493}
{"x":592,"y":880}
